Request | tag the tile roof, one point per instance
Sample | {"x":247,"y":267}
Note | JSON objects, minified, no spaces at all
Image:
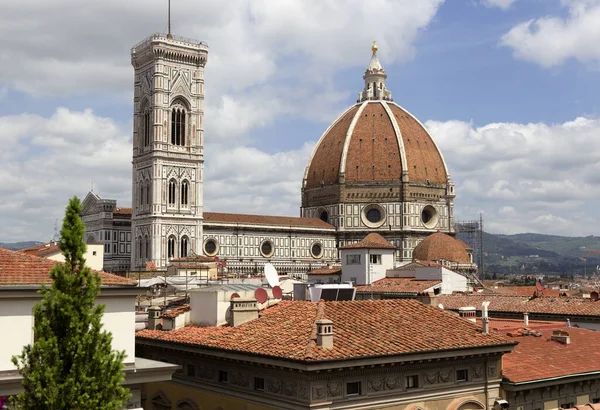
{"x":398,"y":285}
{"x":193,"y":261}
{"x":538,"y":358}
{"x":589,"y":406}
{"x":439,"y":246}
{"x":17,"y":268}
{"x":176,"y":311}
{"x":218,"y":217}
{"x":521,"y":304}
{"x":42,"y":250}
{"x":524,"y":291}
{"x":336,"y":270}
{"x":371,"y":241}
{"x":122,"y":211}
{"x":362,"y":328}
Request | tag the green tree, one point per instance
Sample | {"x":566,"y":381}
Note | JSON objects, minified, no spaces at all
{"x":71,"y":364}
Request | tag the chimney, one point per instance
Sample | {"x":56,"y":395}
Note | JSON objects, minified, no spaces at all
{"x":428,"y":298}
{"x":325,"y":333}
{"x":526,"y":319}
{"x":561,"y":336}
{"x":468,"y":312}
{"x":485,"y":320}
{"x":154,"y":322}
{"x":243,"y":310}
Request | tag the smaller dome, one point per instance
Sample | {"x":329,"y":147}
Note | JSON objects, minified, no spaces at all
{"x":439,"y":246}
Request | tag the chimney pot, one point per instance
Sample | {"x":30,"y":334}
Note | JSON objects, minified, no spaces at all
{"x":561,"y":336}
{"x":154,"y":322}
{"x":325,"y":333}
{"x":243,"y":310}
{"x":526,"y":318}
{"x":469,"y":313}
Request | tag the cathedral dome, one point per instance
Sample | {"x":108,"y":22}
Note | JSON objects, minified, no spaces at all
{"x":375,"y":140}
{"x":439,"y":246}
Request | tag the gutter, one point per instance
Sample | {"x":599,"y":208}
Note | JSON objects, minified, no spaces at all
{"x":550,"y":379}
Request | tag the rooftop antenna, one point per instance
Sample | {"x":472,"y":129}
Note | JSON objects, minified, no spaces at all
{"x":92,"y":182}
{"x":169,"y":35}
{"x":55,"y":237}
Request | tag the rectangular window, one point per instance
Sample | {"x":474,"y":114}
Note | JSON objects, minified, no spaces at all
{"x":259,"y":384}
{"x":567,"y":405}
{"x":128,"y":248}
{"x":353,"y":389}
{"x":596,"y":400}
{"x":353,"y":259}
{"x":114,"y":235}
{"x":462,"y":375}
{"x":114,"y":248}
{"x":94,"y":253}
{"x":128,"y":236}
{"x":375,"y":259}
{"x":412,"y":382}
{"x":223,"y":376}
{"x":122,"y":236}
{"x":191,"y":370}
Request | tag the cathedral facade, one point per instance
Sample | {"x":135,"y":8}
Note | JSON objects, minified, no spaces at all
{"x":375,"y":169}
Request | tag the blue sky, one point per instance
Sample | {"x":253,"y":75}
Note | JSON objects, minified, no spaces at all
{"x":508,"y":88}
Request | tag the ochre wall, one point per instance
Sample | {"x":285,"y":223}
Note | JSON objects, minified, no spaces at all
{"x":204,"y":400}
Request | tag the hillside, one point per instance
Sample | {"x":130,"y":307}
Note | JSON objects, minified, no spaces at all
{"x":529,"y":253}
{"x":15,"y":246}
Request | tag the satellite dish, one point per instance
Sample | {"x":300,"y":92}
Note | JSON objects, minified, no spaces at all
{"x":271,"y":275}
{"x":261,"y":295}
{"x":277,"y":292}
{"x":234,"y":296}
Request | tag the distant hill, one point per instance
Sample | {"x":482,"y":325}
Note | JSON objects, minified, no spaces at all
{"x":15,"y":246}
{"x":530,"y":253}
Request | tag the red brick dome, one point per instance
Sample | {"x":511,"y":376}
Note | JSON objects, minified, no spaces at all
{"x":439,"y":246}
{"x":375,"y":141}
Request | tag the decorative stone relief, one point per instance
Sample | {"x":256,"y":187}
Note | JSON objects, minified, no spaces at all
{"x":478,"y":372}
{"x":334,"y":388}
{"x":392,"y":382}
{"x":274,"y":386}
{"x":374,"y":385}
{"x":205,"y":373}
{"x":445,"y":376}
{"x":289,"y":388}
{"x":303,"y":391}
{"x":492,"y":370}
{"x":239,"y":379}
{"x":442,"y":376}
{"x":318,"y":392}
{"x":431,"y":378}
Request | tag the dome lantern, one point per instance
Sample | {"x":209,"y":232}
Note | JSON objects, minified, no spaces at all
{"x":375,"y":80}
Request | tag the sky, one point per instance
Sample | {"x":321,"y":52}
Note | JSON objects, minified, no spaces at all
{"x":508,"y":89}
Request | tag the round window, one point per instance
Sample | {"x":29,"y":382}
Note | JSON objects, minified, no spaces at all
{"x":429,"y":216}
{"x":266,"y":249}
{"x":210,"y":247}
{"x":316,"y":250}
{"x":374,"y":215}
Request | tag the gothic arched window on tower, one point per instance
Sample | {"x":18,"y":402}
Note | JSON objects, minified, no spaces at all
{"x":184,"y":247}
{"x":171,"y":247}
{"x":184,"y":193}
{"x":147,"y":246}
{"x":139,"y":248}
{"x":172,"y":192}
{"x":178,"y":115}
{"x":147,"y":126}
{"x":149,"y":193}
{"x":141,"y":193}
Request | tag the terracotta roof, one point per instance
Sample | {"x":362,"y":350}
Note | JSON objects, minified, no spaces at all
{"x":122,"y":211}
{"x":42,"y":250}
{"x":521,"y":304}
{"x":371,"y":149}
{"x":589,"y":406}
{"x":398,"y":285}
{"x":538,"y":357}
{"x":176,"y":311}
{"x":371,"y":241}
{"x":439,"y":246}
{"x":336,"y":270}
{"x":287,"y":330}
{"x":524,"y":291}
{"x":194,"y":258}
{"x":217,"y":217}
{"x":17,"y":268}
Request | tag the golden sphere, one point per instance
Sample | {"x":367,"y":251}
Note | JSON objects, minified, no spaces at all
{"x":374,"y":47}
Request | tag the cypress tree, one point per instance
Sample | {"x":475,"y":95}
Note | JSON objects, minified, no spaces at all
{"x":71,"y":364}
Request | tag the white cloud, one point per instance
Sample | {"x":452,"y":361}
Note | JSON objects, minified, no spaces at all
{"x":501,"y":4}
{"x":526,"y":177}
{"x":551,"y":40}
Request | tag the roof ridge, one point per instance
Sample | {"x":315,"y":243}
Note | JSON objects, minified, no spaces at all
{"x":312,"y":340}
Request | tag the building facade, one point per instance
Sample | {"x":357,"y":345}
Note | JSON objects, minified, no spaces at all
{"x":168,"y":158}
{"x":375,"y":169}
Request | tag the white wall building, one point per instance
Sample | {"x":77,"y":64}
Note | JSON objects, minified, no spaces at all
{"x":20,"y":278}
{"x":94,"y":255}
{"x":367,"y":261}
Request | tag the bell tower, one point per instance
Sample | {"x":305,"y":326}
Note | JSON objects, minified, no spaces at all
{"x":168,"y":140}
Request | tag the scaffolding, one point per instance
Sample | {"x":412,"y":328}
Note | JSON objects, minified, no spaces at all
{"x":471,"y":232}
